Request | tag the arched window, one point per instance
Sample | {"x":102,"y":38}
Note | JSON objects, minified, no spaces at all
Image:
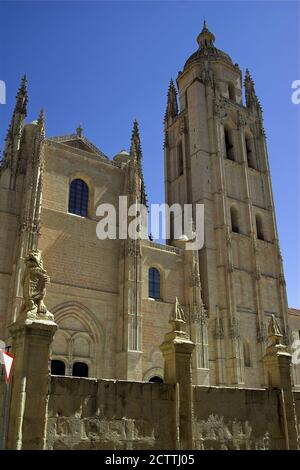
{"x":179,"y":159}
{"x":79,"y":198}
{"x":250,"y":155}
{"x":247,"y":358}
{"x":229,"y":151}
{"x":231,"y":91}
{"x":58,"y":367}
{"x":259,"y":227}
{"x":80,"y":369}
{"x":234,"y":220}
{"x":156,"y":379}
{"x":154,"y":283}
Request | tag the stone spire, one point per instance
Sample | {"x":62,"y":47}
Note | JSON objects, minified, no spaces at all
{"x":172,"y":106}
{"x":22,"y":97}
{"x":41,"y":122}
{"x":136,"y":156}
{"x":251,"y":98}
{"x":16,"y":124}
{"x":252,"y":101}
{"x":205,"y":38}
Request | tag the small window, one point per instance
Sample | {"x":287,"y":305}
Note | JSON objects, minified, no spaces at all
{"x":231,"y":91}
{"x":79,"y":198}
{"x":58,"y":367}
{"x":156,"y":379}
{"x":229,"y":152}
{"x":154,"y":283}
{"x":259,"y":227}
{"x":234,"y":220}
{"x":249,"y":152}
{"x":247,"y":359}
{"x":80,"y":369}
{"x":179,"y":159}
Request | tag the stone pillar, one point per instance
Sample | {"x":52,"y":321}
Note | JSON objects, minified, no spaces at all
{"x":32,"y":335}
{"x":30,"y":346}
{"x":277,"y":362}
{"x":177,"y":351}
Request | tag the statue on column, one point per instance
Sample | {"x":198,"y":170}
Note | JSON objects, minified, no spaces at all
{"x":35,"y":280}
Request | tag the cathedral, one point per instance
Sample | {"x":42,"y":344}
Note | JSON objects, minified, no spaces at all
{"x":112,"y":300}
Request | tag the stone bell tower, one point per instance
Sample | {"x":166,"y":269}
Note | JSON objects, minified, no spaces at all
{"x":216,"y":155}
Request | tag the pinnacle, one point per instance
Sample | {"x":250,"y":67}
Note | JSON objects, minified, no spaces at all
{"x":41,"y":122}
{"x":41,"y":118}
{"x":135,"y":130}
{"x":22,"y":98}
{"x":136,"y":154}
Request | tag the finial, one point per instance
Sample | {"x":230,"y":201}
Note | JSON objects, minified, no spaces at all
{"x":79,"y":130}
{"x":205,"y":38}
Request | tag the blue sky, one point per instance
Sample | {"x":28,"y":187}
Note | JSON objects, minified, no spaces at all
{"x":105,"y":63}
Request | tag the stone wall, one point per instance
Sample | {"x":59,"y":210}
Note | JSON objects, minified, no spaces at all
{"x":240,"y":419}
{"x":106,"y":414}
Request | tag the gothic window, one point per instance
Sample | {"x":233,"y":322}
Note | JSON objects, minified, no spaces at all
{"x":156,"y":379}
{"x":80,"y":369}
{"x":249,"y":152}
{"x":154,"y":283}
{"x":259,"y":227}
{"x":79,"y":198}
{"x":229,"y":151}
{"x":179,"y":159}
{"x":234,"y":220}
{"x":58,"y":367}
{"x":247,"y":358}
{"x":231,"y":91}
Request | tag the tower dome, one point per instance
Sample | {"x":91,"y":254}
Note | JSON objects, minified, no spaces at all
{"x":207,"y":49}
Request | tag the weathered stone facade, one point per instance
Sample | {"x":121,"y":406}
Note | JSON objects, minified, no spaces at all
{"x":215,"y":154}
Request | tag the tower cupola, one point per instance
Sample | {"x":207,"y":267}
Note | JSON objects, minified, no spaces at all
{"x":205,"y":38}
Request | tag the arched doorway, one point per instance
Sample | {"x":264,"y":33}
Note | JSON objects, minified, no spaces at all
{"x":58,"y":367}
{"x":80,"y":369}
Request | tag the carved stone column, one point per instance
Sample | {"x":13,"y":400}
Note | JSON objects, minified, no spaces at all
{"x":32,"y":335}
{"x":277,"y":363}
{"x":177,"y":351}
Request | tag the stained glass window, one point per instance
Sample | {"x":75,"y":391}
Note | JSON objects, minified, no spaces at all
{"x":79,"y":198}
